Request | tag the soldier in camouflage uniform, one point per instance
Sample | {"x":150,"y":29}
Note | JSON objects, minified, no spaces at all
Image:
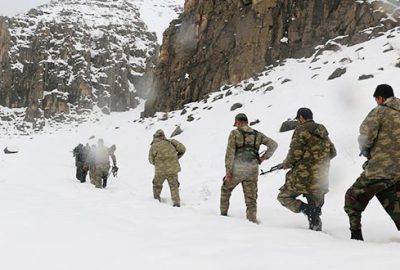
{"x":81,"y":156}
{"x":164,"y":154}
{"x":241,"y":164}
{"x":379,"y":142}
{"x":92,"y":163}
{"x":308,"y":159}
{"x":100,"y":163}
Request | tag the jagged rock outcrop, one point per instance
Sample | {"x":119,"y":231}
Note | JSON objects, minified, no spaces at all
{"x":223,"y":42}
{"x":81,"y":52}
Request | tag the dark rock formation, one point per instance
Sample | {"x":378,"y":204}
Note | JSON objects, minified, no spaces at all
{"x":236,"y":106}
{"x":224,"y":42}
{"x":85,"y":53}
{"x":288,"y":125}
{"x":365,"y":77}
{"x":337,"y":73}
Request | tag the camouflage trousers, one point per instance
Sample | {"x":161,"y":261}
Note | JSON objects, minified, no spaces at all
{"x":289,"y":199}
{"x":363,"y":190}
{"x":173,"y":183}
{"x":100,"y":176}
{"x":81,"y":172}
{"x":250,"y":189}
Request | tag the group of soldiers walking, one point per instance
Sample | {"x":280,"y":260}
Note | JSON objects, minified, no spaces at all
{"x":308,"y":162}
{"x":95,"y":159}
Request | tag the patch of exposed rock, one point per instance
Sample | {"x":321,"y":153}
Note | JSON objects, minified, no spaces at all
{"x":224,"y":42}
{"x":74,"y":52}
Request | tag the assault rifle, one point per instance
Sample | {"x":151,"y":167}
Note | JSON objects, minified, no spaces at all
{"x":275,"y":168}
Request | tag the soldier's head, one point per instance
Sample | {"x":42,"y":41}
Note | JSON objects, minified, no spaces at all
{"x":383,"y":92}
{"x":304,"y":114}
{"x":100,"y":142}
{"x":240,"y":120}
{"x":159,"y":134}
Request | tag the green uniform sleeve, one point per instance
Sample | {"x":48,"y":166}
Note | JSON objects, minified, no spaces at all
{"x":369,"y":129}
{"x":296,"y":149}
{"x":151,"y":156}
{"x":230,"y":153}
{"x":332,"y":149}
{"x":271,"y":146}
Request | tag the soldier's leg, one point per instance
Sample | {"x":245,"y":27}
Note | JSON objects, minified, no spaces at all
{"x":79,"y":173}
{"x":250,"y":197}
{"x":358,"y":196}
{"x":226,"y":192}
{"x":158,"y":181}
{"x":91,"y":176}
{"x":288,"y":199}
{"x":84,"y":174}
{"x":97,"y":177}
{"x":174,"y":188}
{"x":105,"y":177}
{"x":390,"y":200}
{"x":313,"y":210}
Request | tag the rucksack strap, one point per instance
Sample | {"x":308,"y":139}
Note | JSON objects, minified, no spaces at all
{"x":244,"y":133}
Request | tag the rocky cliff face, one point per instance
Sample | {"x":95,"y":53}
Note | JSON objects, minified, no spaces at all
{"x":74,"y":54}
{"x":223,"y":42}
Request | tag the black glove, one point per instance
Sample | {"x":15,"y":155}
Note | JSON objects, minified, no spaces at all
{"x":114,"y":170}
{"x":365,"y":151}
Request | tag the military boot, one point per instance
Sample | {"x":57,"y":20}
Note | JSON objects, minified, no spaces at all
{"x":357,"y":235}
{"x":313,"y":216}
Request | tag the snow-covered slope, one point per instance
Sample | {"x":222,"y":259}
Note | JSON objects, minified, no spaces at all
{"x":73,"y":56}
{"x":157,"y":14}
{"x":51,"y":221}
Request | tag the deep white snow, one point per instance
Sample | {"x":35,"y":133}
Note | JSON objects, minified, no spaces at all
{"x":48,"y":220}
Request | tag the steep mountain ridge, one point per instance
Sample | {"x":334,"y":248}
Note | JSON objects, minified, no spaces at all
{"x":223,"y":42}
{"x":73,"y":55}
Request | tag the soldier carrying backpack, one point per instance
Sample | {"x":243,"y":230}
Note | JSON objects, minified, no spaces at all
{"x":164,"y":154}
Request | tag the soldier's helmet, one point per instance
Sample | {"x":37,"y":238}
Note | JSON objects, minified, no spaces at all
{"x":159,"y":134}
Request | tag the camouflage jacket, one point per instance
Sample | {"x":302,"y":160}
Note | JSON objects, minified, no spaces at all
{"x":246,"y":136}
{"x":80,"y":153}
{"x":165,"y":154}
{"x":309,"y":158}
{"x":380,"y":135}
{"x":100,"y":156}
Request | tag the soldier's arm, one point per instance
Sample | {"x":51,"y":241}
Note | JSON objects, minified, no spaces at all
{"x":230,"y":154}
{"x":332,"y":149}
{"x":369,"y":130}
{"x":180,"y":148}
{"x":114,"y":159}
{"x":271,"y":146}
{"x":111,"y":153}
{"x":296,"y":148}
{"x":151,"y":156}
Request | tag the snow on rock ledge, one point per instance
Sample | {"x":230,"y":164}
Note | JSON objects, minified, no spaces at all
{"x":94,"y":51}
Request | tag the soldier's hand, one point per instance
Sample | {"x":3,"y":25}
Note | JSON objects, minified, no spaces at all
{"x":284,"y":166}
{"x":228,"y":178}
{"x":262,"y":158}
{"x":365,"y":152}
